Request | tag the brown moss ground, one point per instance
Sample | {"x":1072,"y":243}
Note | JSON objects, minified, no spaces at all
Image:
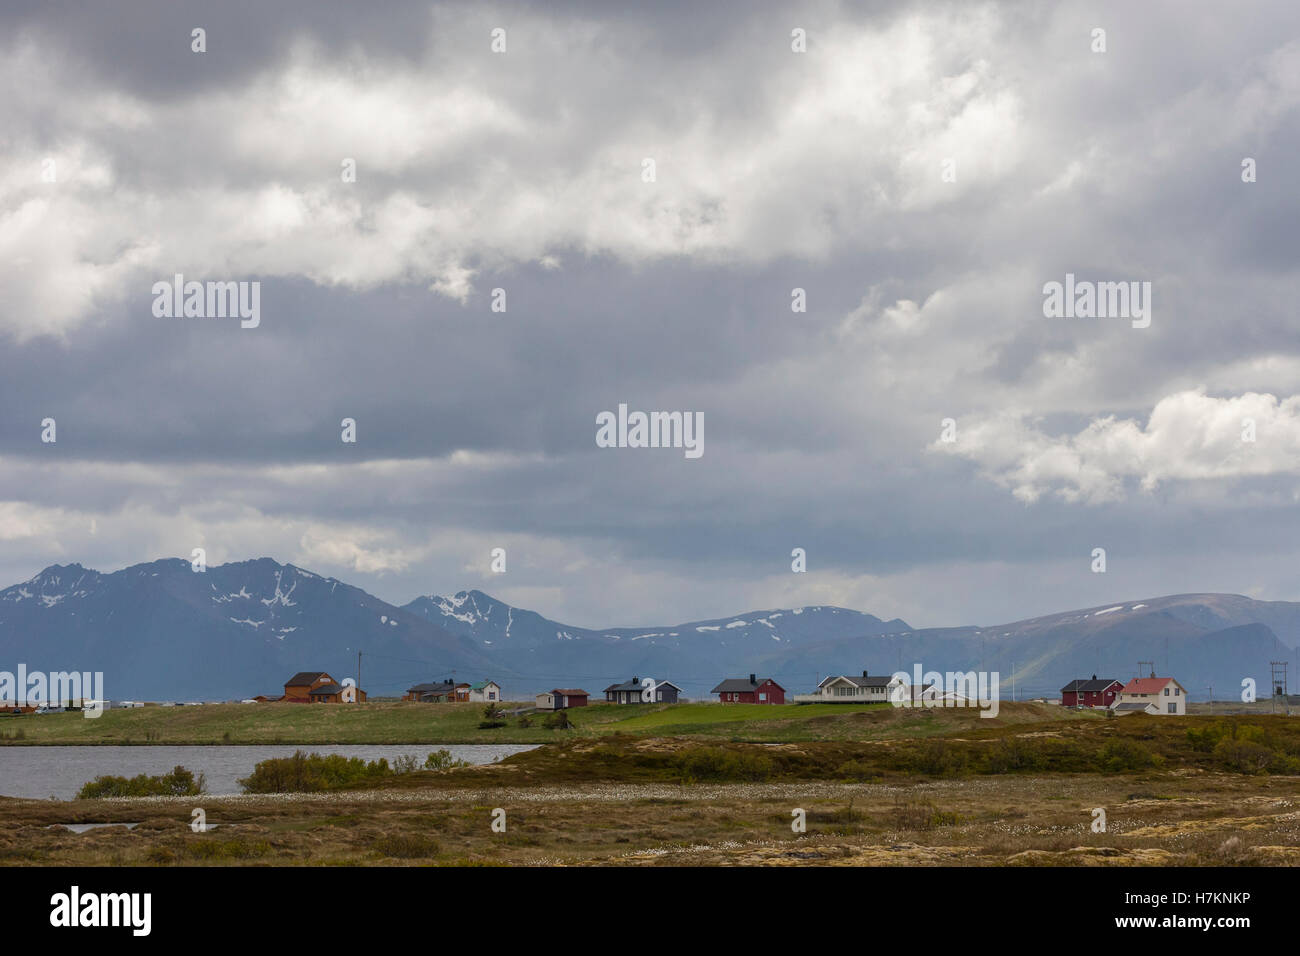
{"x":1165,"y":818}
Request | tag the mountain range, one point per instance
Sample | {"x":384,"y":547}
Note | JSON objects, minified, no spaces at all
{"x":161,"y":631}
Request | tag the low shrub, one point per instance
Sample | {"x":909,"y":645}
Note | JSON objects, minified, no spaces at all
{"x":312,"y":773}
{"x":405,"y":763}
{"x":558,"y":721}
{"x":1122,"y":754}
{"x":179,"y":783}
{"x":858,"y":770}
{"x":1245,"y":756}
{"x":443,"y":760}
{"x":404,"y":846}
{"x":717,"y":763}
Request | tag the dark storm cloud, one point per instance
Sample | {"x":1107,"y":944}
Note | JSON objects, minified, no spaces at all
{"x":924,"y":298}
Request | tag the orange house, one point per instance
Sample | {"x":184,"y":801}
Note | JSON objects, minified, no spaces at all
{"x":298,"y":688}
{"x":317,"y":687}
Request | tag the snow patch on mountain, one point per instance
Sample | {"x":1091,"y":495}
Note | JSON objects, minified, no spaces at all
{"x":280,"y":597}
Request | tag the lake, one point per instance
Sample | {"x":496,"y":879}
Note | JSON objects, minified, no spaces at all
{"x":44,"y":772}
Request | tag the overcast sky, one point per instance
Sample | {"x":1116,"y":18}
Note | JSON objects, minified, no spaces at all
{"x":921,"y":171}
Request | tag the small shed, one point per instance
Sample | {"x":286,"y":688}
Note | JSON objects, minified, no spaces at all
{"x":562,"y":698}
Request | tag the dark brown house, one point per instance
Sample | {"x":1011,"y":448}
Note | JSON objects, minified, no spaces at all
{"x":430,"y":693}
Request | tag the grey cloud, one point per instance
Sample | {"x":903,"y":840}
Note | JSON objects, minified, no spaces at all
{"x":817,"y":434}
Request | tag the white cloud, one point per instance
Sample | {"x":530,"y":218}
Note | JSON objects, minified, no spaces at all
{"x":1190,"y":436}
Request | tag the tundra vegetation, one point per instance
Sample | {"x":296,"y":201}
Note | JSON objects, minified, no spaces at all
{"x":885,"y":788}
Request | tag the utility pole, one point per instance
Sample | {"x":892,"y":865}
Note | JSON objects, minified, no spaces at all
{"x":358,"y":677}
{"x":1277,"y":678}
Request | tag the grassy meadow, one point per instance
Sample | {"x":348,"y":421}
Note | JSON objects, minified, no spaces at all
{"x":404,"y":722}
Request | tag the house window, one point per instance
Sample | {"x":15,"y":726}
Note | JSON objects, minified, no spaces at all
{"x":1177,"y":691}
{"x":1173,"y":708}
{"x":1166,"y":691}
{"x":762,"y":697}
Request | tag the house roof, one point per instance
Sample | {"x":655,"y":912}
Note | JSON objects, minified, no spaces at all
{"x":1088,"y":686}
{"x":441,"y":686}
{"x":570,"y":692}
{"x":479,"y":685}
{"x":639,"y":683}
{"x":326,"y":689}
{"x":1135,"y":705}
{"x":1147,"y":685}
{"x":303,"y":678}
{"x":863,"y":681}
{"x":734,"y":684}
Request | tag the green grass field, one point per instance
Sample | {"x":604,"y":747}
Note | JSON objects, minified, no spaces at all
{"x":411,"y":723}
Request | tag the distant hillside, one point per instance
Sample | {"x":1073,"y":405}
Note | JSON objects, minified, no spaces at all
{"x":162,"y":631}
{"x":783,"y":643}
{"x":1201,"y":638}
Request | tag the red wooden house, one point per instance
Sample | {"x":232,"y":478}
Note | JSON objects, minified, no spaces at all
{"x":753,"y":691}
{"x":1097,"y":692}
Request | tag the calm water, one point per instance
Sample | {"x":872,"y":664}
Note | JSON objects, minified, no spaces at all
{"x":42,"y":772}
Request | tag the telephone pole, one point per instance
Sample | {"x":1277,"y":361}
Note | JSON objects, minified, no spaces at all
{"x":1278,"y":679}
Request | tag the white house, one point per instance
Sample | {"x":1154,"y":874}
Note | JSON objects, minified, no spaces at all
{"x":485,"y":691}
{"x":1152,"y":695}
{"x":842,"y":689}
